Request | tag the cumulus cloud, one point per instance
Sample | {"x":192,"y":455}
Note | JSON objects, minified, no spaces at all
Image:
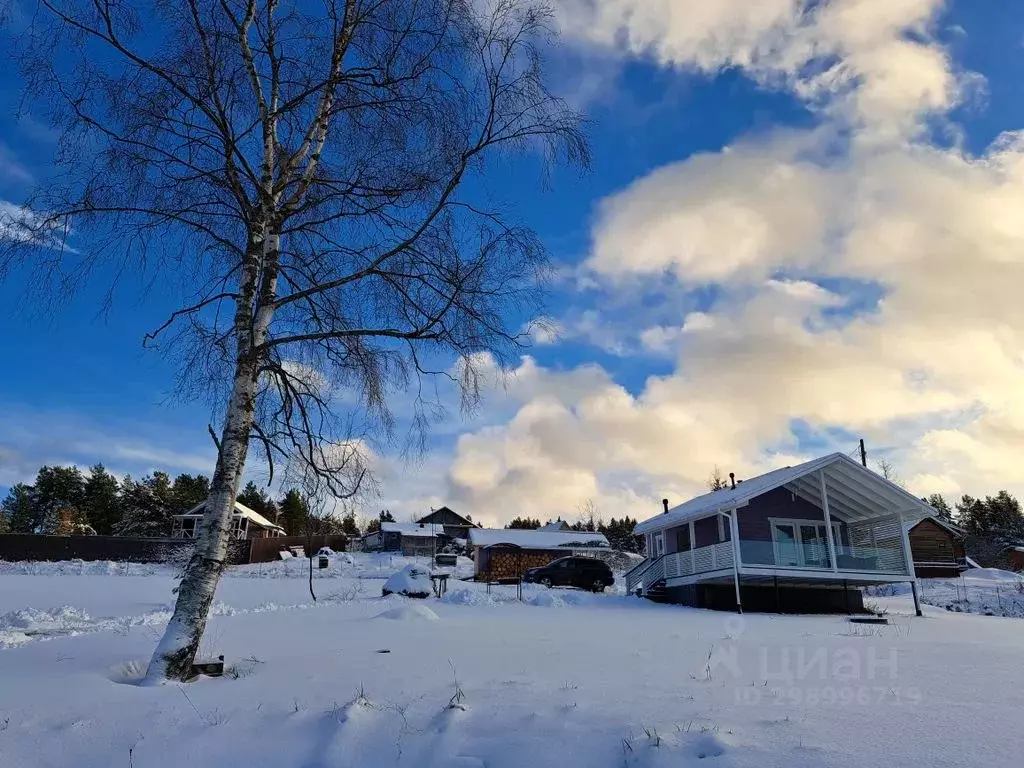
{"x":873,"y":61}
{"x":794,"y":229}
{"x":933,"y":370}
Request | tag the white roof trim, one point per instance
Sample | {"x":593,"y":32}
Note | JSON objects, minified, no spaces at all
{"x":854,"y":492}
{"x":240,"y":510}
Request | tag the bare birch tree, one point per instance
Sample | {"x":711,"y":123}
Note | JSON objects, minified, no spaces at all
{"x":313,"y":173}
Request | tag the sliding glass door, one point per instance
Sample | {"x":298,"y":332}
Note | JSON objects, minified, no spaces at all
{"x":802,"y":543}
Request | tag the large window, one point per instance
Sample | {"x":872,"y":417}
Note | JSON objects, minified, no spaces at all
{"x":683,"y":542}
{"x":802,"y":543}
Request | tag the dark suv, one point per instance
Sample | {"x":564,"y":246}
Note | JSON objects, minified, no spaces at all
{"x":583,"y":572}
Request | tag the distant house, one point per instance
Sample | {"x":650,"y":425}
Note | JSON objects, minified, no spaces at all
{"x":937,"y":548}
{"x":558,"y":525}
{"x":411,"y":539}
{"x":455,"y":525}
{"x":502,"y":554}
{"x":245,"y":524}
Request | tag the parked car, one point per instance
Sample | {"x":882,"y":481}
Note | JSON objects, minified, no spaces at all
{"x":582,"y":572}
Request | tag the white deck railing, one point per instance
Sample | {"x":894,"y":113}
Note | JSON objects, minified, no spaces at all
{"x":678,"y":564}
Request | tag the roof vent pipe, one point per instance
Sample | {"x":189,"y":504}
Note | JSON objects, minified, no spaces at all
{"x":664,"y":503}
{"x":732,"y":479}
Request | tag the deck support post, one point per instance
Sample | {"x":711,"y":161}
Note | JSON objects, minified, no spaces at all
{"x":908,"y":559}
{"x":828,"y":523}
{"x":846,"y":596}
{"x":734,"y":530}
{"x":917,"y":601}
{"x":778,"y":598}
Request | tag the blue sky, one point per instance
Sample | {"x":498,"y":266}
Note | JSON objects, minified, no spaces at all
{"x":706,"y":317}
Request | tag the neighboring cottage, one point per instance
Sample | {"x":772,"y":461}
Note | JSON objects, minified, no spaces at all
{"x":245,"y":524}
{"x":454,"y":525}
{"x":937,"y":548}
{"x":558,"y":525}
{"x":411,"y":539}
{"x":502,"y":554}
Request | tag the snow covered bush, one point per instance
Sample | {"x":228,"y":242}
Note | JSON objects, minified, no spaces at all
{"x":411,"y":581}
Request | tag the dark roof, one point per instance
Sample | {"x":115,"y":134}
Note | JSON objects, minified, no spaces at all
{"x":446,"y":516}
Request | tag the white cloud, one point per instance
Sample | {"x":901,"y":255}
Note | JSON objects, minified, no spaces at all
{"x":873,"y":61}
{"x":932,"y":372}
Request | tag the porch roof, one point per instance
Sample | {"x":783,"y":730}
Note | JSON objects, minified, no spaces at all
{"x":240,"y":511}
{"x":854,"y":493}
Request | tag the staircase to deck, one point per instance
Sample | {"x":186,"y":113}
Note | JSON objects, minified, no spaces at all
{"x":649,"y":578}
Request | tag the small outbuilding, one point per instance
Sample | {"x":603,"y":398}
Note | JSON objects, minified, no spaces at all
{"x":503,"y":554}
{"x":937,"y":548}
{"x":411,"y":539}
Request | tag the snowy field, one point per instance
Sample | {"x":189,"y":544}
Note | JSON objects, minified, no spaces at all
{"x":565,"y":678}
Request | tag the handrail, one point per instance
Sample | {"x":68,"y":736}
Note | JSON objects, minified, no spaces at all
{"x":632,"y":576}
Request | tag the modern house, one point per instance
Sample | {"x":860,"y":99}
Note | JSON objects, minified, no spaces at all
{"x":411,"y":539}
{"x":937,"y":548}
{"x":245,"y":524}
{"x":454,"y":525}
{"x":501,"y":553}
{"x":801,"y":538}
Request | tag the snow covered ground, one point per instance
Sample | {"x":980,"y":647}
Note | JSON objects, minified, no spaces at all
{"x":986,"y":591}
{"x":565,"y":678}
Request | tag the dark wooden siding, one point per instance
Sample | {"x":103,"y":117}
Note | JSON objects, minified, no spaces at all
{"x":445,"y":516}
{"x":931,"y":543}
{"x":754,"y":519}
{"x":705,"y":531}
{"x":268,"y":549}
{"x":16,"y":546}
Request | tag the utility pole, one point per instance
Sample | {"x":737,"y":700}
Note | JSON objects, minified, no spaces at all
{"x":863,"y":453}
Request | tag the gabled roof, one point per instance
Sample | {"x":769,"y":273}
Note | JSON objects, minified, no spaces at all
{"x":955,"y":530}
{"x":558,"y":525}
{"x":486,"y":537}
{"x":465,"y":521}
{"x":854,"y":492}
{"x":240,"y":510}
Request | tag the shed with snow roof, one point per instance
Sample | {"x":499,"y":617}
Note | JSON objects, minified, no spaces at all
{"x":502,"y":554}
{"x":937,"y":547}
{"x":411,"y":539}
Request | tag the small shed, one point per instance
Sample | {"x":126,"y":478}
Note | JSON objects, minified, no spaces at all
{"x":411,"y":539}
{"x":937,"y":548}
{"x":503,"y":554}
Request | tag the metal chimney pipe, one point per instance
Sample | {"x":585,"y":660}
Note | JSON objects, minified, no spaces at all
{"x":732,"y":479}
{"x":664,"y":503}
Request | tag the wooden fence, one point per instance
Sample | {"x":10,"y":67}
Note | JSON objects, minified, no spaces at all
{"x":34,"y":547}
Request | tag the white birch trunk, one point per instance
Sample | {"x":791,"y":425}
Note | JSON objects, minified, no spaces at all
{"x":176,"y":652}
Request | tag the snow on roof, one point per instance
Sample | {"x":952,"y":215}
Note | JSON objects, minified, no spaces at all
{"x":868,"y":486}
{"x":909,"y":524}
{"x":241,"y":510}
{"x":558,"y":525}
{"x":486,"y":537}
{"x":414,"y":530}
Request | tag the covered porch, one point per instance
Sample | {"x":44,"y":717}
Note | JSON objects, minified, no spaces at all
{"x":831,"y":525}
